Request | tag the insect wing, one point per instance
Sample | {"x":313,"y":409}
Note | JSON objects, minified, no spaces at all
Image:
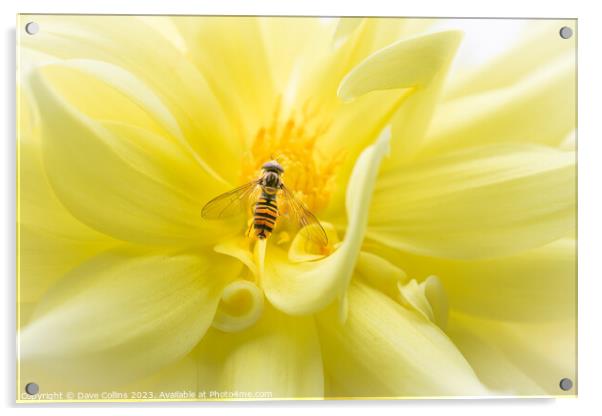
{"x":230,"y":203}
{"x":307,"y":222}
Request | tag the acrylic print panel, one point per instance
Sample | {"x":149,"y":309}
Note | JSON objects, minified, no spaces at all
{"x":257,"y":208}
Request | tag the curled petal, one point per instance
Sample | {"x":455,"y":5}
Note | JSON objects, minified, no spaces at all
{"x":405,"y":64}
{"x":419,"y":65}
{"x":302,"y":249}
{"x":537,"y":285}
{"x":238,"y":247}
{"x":427,"y":298}
{"x":303,"y":288}
{"x":241,"y":305}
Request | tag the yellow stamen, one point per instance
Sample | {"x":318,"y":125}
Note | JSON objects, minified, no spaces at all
{"x":292,"y":142}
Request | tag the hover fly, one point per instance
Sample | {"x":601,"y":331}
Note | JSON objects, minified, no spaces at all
{"x":263,"y":195}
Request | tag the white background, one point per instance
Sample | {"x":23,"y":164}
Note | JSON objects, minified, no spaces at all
{"x":590,"y":209}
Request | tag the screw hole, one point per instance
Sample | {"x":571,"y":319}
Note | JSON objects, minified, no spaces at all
{"x":32,"y":28}
{"x":566,"y":32}
{"x":566,"y":384}
{"x":32,"y":388}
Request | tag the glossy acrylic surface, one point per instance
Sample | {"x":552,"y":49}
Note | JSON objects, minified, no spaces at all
{"x":438,"y":155}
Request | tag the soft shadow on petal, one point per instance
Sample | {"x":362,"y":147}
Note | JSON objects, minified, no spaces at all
{"x":280,"y":354}
{"x":482,"y":202}
{"x":110,"y":183}
{"x":538,"y":108}
{"x":535,"y":353}
{"x":303,"y":288}
{"x":125,"y":314}
{"x":420,"y":64}
{"x":537,"y":285}
{"x":385,"y":350}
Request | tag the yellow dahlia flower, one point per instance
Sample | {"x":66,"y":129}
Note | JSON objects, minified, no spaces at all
{"x":446,"y":187}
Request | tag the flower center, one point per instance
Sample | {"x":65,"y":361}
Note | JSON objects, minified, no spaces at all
{"x":291,"y":140}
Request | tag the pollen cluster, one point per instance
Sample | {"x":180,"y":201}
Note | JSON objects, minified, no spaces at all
{"x":291,"y":140}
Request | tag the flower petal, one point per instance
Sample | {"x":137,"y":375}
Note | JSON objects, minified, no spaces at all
{"x":303,"y":288}
{"x":381,"y":274}
{"x":241,"y":305}
{"x":171,"y":381}
{"x":132,"y":44}
{"x":238,"y":247}
{"x":543,"y":352}
{"x":279,"y":355}
{"x":538,"y":46}
{"x":230,"y":53}
{"x":50,"y":241}
{"x":419,"y":64}
{"x":345,"y":28}
{"x":428,"y":298}
{"x":129,"y":185}
{"x":132,"y":101}
{"x":124,"y":315}
{"x":482,"y":202}
{"x":538,"y":108}
{"x":492,"y":366}
{"x":537,"y":285}
{"x":385,"y":350}
{"x":405,"y":64}
{"x":302,"y":249}
{"x":44,"y":257}
{"x":355,"y":126}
